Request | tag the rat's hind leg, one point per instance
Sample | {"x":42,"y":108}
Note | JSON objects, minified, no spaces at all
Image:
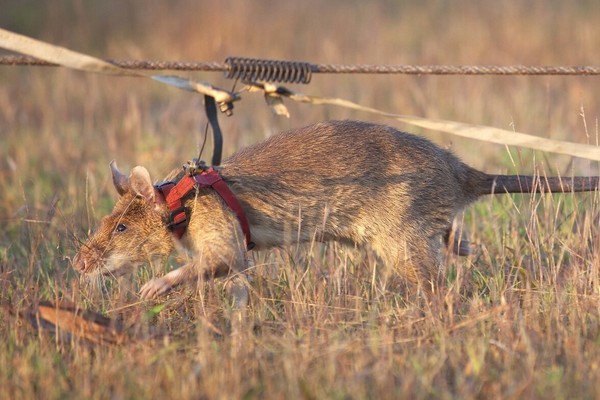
{"x":417,"y":259}
{"x":426,"y":259}
{"x":458,"y":242}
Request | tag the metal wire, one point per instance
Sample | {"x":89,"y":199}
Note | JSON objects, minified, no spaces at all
{"x":458,"y":69}
{"x":297,"y":72}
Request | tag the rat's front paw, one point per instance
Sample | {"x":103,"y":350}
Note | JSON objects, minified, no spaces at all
{"x":154,"y":288}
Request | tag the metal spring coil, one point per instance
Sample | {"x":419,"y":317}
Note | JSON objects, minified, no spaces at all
{"x":254,"y":70}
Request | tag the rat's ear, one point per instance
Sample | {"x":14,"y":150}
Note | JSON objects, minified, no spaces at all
{"x":119,"y":179}
{"x":141,"y":184}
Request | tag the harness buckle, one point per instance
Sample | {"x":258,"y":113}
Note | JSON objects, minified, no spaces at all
{"x":179,"y":218}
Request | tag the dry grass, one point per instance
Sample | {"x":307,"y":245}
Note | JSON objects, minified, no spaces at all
{"x":519,"y":319}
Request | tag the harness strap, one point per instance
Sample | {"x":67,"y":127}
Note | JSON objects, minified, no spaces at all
{"x":180,"y":215}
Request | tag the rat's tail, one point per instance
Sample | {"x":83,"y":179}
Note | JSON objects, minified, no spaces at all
{"x":489,"y":184}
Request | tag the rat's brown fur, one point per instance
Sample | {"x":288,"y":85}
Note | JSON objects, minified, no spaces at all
{"x":347,"y":181}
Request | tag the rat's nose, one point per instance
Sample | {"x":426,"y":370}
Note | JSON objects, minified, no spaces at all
{"x":79,"y":263}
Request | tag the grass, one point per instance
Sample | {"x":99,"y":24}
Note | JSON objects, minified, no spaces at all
{"x":520,"y":318}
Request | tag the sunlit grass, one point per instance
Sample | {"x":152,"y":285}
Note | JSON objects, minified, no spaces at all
{"x":517,"y":319}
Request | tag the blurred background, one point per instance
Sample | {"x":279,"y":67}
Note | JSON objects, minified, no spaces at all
{"x":520,"y":318}
{"x":59,"y":128}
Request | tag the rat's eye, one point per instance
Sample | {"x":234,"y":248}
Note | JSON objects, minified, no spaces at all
{"x":120,"y":228}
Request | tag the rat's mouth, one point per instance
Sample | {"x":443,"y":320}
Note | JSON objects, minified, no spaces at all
{"x":115,"y":273}
{"x":109,"y":270}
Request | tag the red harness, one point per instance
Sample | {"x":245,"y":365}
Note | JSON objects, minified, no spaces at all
{"x":180,"y":215}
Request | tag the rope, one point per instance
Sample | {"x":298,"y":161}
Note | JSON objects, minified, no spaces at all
{"x":215,"y":66}
{"x":478,"y":132}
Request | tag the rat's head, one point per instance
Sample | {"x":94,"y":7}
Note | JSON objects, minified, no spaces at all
{"x":135,"y":232}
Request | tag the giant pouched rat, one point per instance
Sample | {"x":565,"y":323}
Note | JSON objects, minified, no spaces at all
{"x":347,"y":181}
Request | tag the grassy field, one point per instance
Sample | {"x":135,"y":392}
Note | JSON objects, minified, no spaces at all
{"x":521,"y":317}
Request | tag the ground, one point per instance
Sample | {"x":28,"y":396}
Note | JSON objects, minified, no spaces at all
{"x":518,"y":319}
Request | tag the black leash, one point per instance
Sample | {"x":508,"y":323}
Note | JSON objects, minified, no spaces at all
{"x":210,"y":106}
